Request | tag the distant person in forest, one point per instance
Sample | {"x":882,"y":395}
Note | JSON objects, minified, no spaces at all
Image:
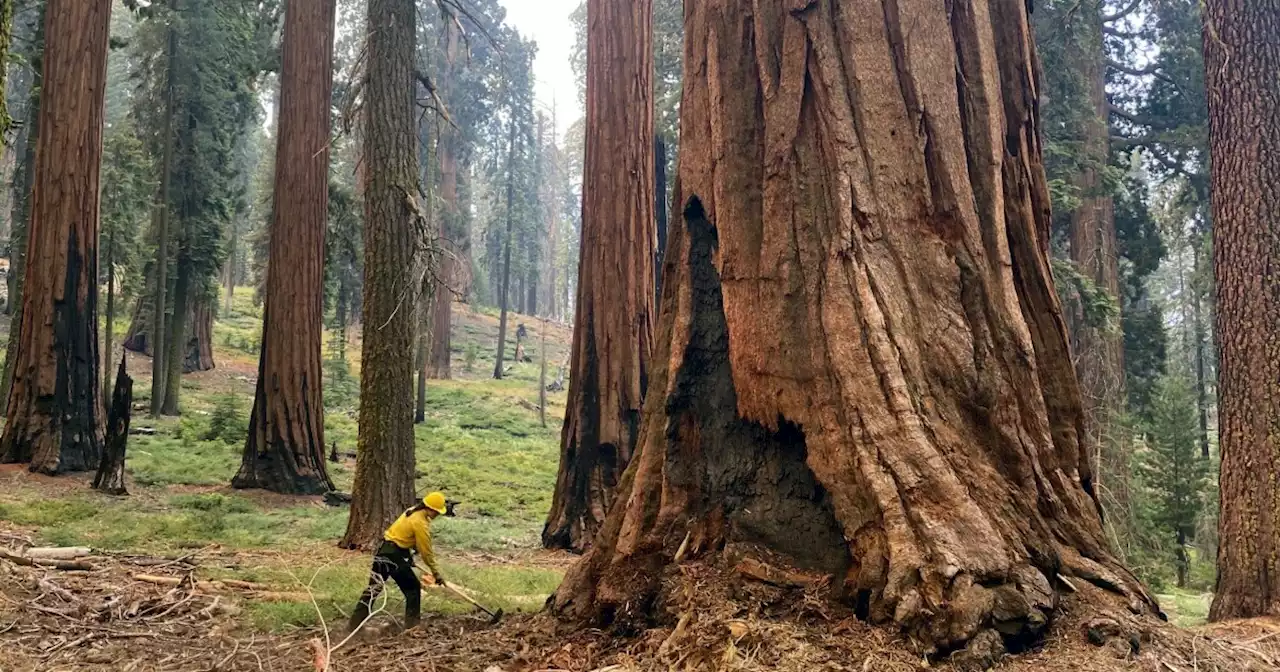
{"x":394,"y":560}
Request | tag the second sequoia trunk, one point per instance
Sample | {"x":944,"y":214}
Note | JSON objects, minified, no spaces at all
{"x":613,"y":329}
{"x":862,"y":366}
{"x":198,"y":355}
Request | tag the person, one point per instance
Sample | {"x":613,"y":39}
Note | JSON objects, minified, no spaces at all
{"x":394,"y":560}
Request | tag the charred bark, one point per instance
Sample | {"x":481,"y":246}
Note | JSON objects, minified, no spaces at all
{"x":613,"y":330}
{"x":110,"y":476}
{"x":1242,"y":57}
{"x":915,"y":432}
{"x":384,"y":466}
{"x":198,"y":355}
{"x":54,"y":417}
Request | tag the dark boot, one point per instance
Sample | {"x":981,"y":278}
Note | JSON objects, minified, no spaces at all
{"x":412,"y":609}
{"x":358,"y":616}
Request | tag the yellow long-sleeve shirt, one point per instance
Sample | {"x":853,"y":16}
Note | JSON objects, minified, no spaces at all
{"x":413,"y":530}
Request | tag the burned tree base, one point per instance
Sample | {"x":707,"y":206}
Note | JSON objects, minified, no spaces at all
{"x":110,"y":476}
{"x":894,"y":538}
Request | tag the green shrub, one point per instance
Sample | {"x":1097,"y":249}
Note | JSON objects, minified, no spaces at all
{"x":228,"y":421}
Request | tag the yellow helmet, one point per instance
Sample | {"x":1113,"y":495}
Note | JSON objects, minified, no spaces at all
{"x":435,"y":502}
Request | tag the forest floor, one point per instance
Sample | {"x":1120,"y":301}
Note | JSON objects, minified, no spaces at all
{"x":187,"y":574}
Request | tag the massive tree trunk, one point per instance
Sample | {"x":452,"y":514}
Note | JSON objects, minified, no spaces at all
{"x":869,"y":175}
{"x":1242,"y":58}
{"x":384,"y":465}
{"x":198,"y":355}
{"x":613,"y":328}
{"x":1098,"y":349}
{"x":54,"y":418}
{"x":285,"y":448}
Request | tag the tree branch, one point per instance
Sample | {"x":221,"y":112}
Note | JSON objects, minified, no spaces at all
{"x":1149,"y":71}
{"x":1124,"y":35}
{"x":1135,"y":119}
{"x":1120,"y":14}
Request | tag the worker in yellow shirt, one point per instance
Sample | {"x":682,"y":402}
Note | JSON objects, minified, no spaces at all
{"x":394,"y":560}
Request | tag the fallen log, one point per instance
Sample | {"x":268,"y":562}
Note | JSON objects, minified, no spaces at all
{"x":58,"y":552}
{"x":66,"y":565}
{"x":256,"y":590}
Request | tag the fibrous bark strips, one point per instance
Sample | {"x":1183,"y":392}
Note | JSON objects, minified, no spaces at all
{"x":862,"y":363}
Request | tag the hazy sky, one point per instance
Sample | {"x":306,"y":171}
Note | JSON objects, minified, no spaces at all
{"x":547,"y":22}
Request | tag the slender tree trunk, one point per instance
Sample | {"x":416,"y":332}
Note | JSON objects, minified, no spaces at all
{"x":660,"y":210}
{"x":111,"y":318}
{"x":229,"y":281}
{"x":18,"y":242}
{"x":872,"y":180}
{"x":159,"y":368}
{"x":1202,"y":397}
{"x":176,"y":339}
{"x":504,"y":294}
{"x":613,"y":329}
{"x":54,"y":418}
{"x":423,"y":352}
{"x":1242,"y":57}
{"x":285,"y":448}
{"x":542,"y":378}
{"x":384,"y":466}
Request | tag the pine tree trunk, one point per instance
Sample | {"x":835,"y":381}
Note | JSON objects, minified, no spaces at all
{"x":1242,"y":58}
{"x":384,"y":466}
{"x":871,"y":179}
{"x":613,"y":328}
{"x":159,"y":368}
{"x":176,"y":338}
{"x":1098,"y":349}
{"x":54,"y":418}
{"x":199,"y":352}
{"x":285,"y":448}
{"x":504,"y":294}
{"x":423,"y":355}
{"x":1202,"y":396}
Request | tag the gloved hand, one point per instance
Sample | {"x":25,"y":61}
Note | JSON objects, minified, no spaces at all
{"x":439,"y":579}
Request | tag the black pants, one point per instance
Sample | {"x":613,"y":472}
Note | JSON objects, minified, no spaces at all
{"x":396,"y":564}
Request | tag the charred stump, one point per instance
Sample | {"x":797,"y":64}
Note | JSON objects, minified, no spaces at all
{"x":110,"y":477}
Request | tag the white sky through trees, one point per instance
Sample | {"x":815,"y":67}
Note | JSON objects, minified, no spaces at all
{"x":547,"y":23}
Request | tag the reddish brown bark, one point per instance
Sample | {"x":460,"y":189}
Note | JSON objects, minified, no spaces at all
{"x":384,"y":465}
{"x":198,"y":355}
{"x":450,"y":280}
{"x":613,"y":328}
{"x":1098,"y":349}
{"x":1242,"y":59}
{"x":54,"y":418}
{"x":862,"y":364}
{"x":285,"y":448}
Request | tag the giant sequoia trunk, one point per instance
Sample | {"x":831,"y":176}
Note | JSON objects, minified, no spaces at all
{"x":285,"y":448}
{"x":1098,"y":348}
{"x":54,"y":418}
{"x":613,"y":330}
{"x":862,"y":366}
{"x":198,"y":355}
{"x":450,"y":280}
{"x":384,"y":465}
{"x":1242,"y":57}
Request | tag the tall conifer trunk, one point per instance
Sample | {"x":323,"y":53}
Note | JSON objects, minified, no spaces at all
{"x":54,"y":419}
{"x":384,"y":464}
{"x":613,"y":329}
{"x":867,"y":175}
{"x":285,"y":448}
{"x":1242,"y":59}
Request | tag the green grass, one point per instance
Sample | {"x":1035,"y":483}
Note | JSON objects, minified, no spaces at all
{"x":481,"y":444}
{"x":1186,"y":608}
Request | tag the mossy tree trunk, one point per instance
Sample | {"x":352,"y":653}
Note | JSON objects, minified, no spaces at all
{"x":385,"y":461}
{"x":869,"y":175}
{"x":1242,"y":59}
{"x":613,"y":328}
{"x":54,"y":418}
